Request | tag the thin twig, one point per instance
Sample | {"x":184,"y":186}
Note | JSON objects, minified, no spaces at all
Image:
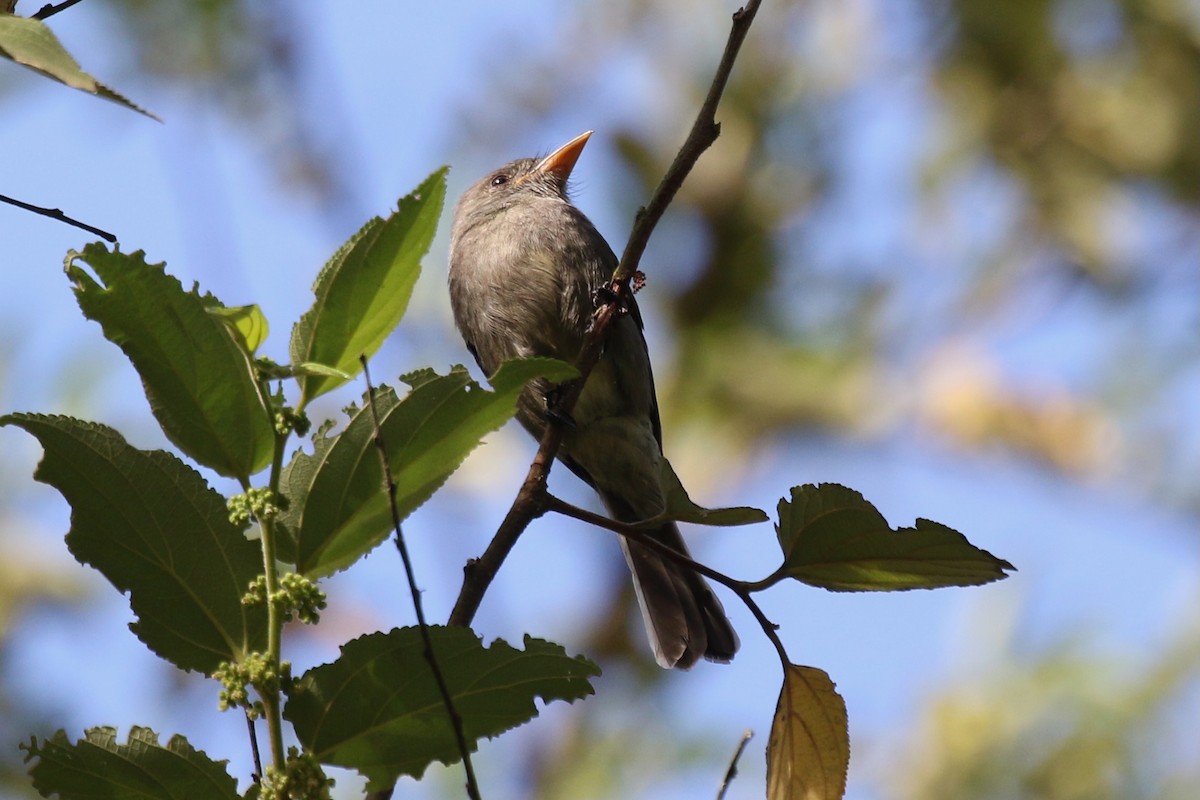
{"x":50,"y":9}
{"x":447,"y":700}
{"x":704,"y":132}
{"x":731,"y":773}
{"x":634,"y":532}
{"x":55,"y":213}
{"x":258,"y":770}
{"x":529,"y":503}
{"x":743,"y":589}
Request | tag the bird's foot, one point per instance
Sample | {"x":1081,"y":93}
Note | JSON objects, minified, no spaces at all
{"x":604,"y":295}
{"x":554,"y":410}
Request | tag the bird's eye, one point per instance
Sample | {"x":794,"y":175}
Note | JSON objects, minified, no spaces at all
{"x":499,"y":180}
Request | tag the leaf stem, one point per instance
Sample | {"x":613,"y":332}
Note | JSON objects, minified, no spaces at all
{"x":767,"y":582}
{"x":272,"y":708}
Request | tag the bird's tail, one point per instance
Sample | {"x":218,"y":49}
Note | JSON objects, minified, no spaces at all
{"x":684,"y":619}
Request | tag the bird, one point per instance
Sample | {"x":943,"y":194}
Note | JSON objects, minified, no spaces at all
{"x":525,"y":267}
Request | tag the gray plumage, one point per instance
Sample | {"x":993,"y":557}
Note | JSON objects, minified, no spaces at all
{"x":524,"y":265}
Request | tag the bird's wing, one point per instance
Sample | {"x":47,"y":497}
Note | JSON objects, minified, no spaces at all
{"x":655,"y":422}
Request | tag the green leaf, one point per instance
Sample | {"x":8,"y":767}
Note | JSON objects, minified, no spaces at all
{"x":362,"y":292}
{"x":681,"y":508}
{"x":337,"y":509}
{"x":320,"y":370}
{"x":808,"y":753}
{"x":29,"y":42}
{"x":833,"y":538}
{"x":156,"y":530}
{"x":201,"y":384}
{"x":377,"y":709}
{"x":248,"y":323}
{"x":98,"y":766}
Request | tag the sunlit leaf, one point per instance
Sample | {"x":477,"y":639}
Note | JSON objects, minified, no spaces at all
{"x":833,"y":538}
{"x":808,"y":753}
{"x":200,"y":382}
{"x":363,"y":291}
{"x":377,"y":708}
{"x":248,"y":322}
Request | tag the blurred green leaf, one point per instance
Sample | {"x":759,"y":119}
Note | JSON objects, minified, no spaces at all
{"x":201,"y":385}
{"x":337,"y":509}
{"x":833,"y":538}
{"x":30,"y":43}
{"x":363,"y":291}
{"x":377,"y":709}
{"x":98,"y":766}
{"x":156,"y":530}
{"x":808,"y":754}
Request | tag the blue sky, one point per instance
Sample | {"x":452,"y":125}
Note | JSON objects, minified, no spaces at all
{"x":1097,"y":556}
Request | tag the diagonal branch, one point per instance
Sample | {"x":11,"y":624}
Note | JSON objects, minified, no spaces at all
{"x":50,"y":9}
{"x":530,"y":502}
{"x":56,"y":213}
{"x":704,"y":132}
{"x":732,"y":772}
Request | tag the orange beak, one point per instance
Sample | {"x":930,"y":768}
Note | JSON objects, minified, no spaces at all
{"x":562,"y":161}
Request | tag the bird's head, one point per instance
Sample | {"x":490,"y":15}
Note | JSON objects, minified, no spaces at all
{"x":529,"y":177}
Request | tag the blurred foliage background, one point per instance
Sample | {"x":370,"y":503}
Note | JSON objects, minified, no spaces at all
{"x":960,"y":222}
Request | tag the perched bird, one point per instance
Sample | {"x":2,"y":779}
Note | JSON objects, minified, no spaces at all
{"x":525,"y":265}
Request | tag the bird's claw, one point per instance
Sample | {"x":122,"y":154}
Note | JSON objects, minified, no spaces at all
{"x":554,"y":411}
{"x":604,"y":295}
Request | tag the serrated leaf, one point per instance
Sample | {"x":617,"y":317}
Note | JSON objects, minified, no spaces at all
{"x":31,"y":43}
{"x":681,"y":508}
{"x":363,"y":291}
{"x":337,"y":509}
{"x":808,"y":754}
{"x":377,"y":709}
{"x":833,"y":538}
{"x":155,"y":529}
{"x":98,"y":766}
{"x":200,"y":383}
{"x":248,"y":323}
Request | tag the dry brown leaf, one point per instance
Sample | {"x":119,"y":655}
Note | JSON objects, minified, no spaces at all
{"x":808,"y":753}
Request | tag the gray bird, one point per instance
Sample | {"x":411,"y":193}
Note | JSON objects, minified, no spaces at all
{"x":524,"y":267}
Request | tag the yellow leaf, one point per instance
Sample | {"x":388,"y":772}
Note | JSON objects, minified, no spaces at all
{"x":809,"y":749}
{"x":247,"y":322}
